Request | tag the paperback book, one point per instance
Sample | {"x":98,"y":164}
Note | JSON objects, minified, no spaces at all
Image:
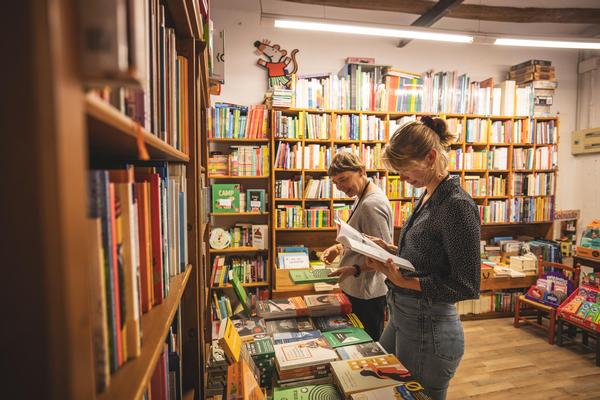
{"x":321,"y":305}
{"x":300,"y":276}
{"x":307,"y":392}
{"x":303,"y":354}
{"x":362,"y":350}
{"x":333,"y":322}
{"x":346,"y":337}
{"x":360,"y":375}
{"x":261,"y":349}
{"x":290,"y":337}
{"x":250,"y":328}
{"x":281,"y":308}
{"x":290,"y":325}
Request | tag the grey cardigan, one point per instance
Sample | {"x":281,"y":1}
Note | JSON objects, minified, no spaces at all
{"x":372,"y":216}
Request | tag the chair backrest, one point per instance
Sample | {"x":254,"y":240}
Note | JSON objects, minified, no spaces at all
{"x":573,"y":271}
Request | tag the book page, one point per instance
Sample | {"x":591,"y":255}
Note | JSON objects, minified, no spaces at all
{"x":355,"y":241}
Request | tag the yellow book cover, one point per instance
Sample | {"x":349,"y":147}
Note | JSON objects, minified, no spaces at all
{"x":241,"y":383}
{"x":230,"y":340}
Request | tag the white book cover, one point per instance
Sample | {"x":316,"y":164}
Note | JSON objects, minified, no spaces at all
{"x":352,"y":239}
{"x":304,"y":353}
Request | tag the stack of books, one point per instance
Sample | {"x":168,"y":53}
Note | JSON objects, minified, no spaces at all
{"x":217,"y":370}
{"x":282,"y":97}
{"x":322,"y":305}
{"x":305,"y":360}
{"x":539,"y":77}
{"x":263,"y":354}
{"x":281,"y":308}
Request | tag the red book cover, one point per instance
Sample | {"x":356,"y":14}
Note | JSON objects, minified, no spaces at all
{"x":158,"y":384}
{"x":116,"y":273}
{"x":145,"y":246}
{"x":345,"y":304}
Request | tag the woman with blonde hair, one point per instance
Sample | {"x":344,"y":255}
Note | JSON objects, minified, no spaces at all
{"x":441,"y":240}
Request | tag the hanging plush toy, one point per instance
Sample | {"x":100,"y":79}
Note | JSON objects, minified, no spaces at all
{"x":276,"y":63}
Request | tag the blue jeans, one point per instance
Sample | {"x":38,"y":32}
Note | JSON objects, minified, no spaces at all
{"x":427,"y":338}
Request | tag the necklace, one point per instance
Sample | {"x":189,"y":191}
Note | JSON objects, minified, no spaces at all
{"x":359,"y":199}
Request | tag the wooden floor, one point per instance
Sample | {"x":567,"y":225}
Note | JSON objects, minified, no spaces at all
{"x":502,"y":362}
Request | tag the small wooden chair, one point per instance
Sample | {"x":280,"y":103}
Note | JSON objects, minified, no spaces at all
{"x":543,"y":309}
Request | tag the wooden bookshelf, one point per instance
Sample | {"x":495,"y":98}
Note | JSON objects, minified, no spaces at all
{"x":237,"y":214}
{"x":131,"y":380}
{"x":536,"y":229}
{"x":60,"y":132}
{"x":237,"y":177}
{"x":112,"y":134}
{"x":235,"y":250}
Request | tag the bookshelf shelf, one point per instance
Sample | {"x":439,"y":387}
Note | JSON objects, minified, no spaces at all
{"x":523,"y":145}
{"x":237,"y":177}
{"x":131,"y":380}
{"x":283,"y":199}
{"x":330,"y":228}
{"x":181,"y":18}
{"x":243,"y":140}
{"x":498,"y":171}
{"x":237,"y":214}
{"x":317,"y":199}
{"x":251,"y":284}
{"x":236,"y":250}
{"x":113,"y":135}
{"x":288,"y":170}
{"x":507,"y":283}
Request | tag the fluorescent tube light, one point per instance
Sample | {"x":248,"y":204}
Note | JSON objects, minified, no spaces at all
{"x":372,"y":31}
{"x":557,"y":44}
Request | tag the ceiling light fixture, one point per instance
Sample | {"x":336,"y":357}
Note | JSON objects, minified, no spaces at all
{"x":557,"y":44}
{"x":373,"y":31}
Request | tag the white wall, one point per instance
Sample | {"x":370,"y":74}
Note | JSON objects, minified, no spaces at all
{"x":245,"y":82}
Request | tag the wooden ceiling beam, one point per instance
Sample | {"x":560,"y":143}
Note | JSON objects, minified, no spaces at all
{"x":436,"y":13}
{"x":472,"y":11}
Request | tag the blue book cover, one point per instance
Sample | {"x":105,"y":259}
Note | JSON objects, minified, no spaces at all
{"x":290,"y":337}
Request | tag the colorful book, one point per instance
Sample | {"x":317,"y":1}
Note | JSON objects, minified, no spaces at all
{"x":334,"y":322}
{"x":290,"y":337}
{"x":241,"y":294}
{"x":321,"y":305}
{"x":281,"y":308}
{"x":303,"y":354}
{"x":290,"y":325}
{"x":362,"y":350}
{"x":229,"y":340}
{"x":225,"y":197}
{"x":300,"y":276}
{"x":307,"y":392}
{"x":261,"y":349}
{"x":346,"y":337}
{"x":250,"y":328}
{"x":360,"y":375}
{"x":255,"y":200}
{"x":412,"y":390}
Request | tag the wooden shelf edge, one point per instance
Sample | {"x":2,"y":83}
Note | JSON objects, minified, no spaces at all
{"x":236,"y":250}
{"x":108,"y":115}
{"x":180,"y":15}
{"x":132,"y":379}
{"x":251,"y":284}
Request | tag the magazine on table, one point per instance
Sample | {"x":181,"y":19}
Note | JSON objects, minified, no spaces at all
{"x":352,"y":239}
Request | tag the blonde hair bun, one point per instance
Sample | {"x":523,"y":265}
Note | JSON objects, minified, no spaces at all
{"x":438,"y":125}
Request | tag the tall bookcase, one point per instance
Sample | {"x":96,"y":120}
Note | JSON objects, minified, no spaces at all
{"x":54,"y":134}
{"x":529,"y":138}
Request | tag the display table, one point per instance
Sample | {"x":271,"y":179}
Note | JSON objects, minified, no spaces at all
{"x":284,"y":287}
{"x":587,"y":262}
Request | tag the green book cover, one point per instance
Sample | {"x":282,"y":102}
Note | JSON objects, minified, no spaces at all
{"x":241,"y":294}
{"x":346,"y":336}
{"x":261,"y":349}
{"x":225,"y":197}
{"x":312,"y":276}
{"x":308,"y":392}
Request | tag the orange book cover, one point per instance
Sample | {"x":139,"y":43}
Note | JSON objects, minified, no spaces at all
{"x":114,"y":220}
{"x":241,"y":383}
{"x":142,"y":189}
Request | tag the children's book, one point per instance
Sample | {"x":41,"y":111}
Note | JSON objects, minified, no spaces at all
{"x":229,"y":340}
{"x":346,"y":337}
{"x":362,"y":350}
{"x":333,"y":322}
{"x":360,"y":375}
{"x":300,"y":276}
{"x":255,"y":200}
{"x":307,"y":392}
{"x":303,"y":354}
{"x":225,"y":197}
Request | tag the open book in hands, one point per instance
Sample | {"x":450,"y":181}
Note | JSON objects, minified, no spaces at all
{"x":352,"y":239}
